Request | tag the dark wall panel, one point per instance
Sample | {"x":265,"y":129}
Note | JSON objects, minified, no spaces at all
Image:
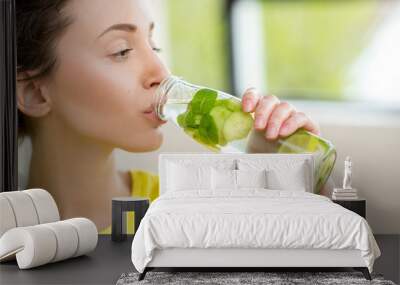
{"x":8,"y":109}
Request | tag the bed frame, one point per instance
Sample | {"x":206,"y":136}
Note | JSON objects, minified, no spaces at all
{"x":234,"y":259}
{"x":248,"y":259}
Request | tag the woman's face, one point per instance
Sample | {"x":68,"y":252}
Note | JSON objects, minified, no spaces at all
{"x":108,"y":71}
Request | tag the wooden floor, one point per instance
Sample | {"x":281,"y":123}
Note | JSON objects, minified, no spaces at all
{"x":110,"y":260}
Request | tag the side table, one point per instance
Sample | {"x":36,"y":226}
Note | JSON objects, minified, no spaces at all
{"x":358,"y":206}
{"x":121,"y":205}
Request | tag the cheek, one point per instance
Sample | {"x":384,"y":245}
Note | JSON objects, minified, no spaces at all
{"x":91,"y":90}
{"x":97,"y":99}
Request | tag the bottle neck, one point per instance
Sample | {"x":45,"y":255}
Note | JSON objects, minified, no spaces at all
{"x":173,"y":90}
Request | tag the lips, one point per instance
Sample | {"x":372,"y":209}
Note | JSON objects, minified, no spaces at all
{"x":152,"y":116}
{"x":149,"y":110}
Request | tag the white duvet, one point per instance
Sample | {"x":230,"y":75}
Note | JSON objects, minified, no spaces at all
{"x":251,"y":218}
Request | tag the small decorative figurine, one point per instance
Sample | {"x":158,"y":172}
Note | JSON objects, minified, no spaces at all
{"x":347,"y":173}
{"x":347,"y":192}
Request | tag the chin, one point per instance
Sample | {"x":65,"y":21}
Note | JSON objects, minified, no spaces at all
{"x":145,"y":143}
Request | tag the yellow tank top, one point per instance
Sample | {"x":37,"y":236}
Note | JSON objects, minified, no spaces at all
{"x":144,"y":184}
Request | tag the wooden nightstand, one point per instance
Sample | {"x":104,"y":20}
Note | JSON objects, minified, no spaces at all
{"x":358,"y":206}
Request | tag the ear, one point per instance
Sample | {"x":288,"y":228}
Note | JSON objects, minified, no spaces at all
{"x":32,"y":96}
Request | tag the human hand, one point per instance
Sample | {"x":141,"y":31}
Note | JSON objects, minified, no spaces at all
{"x":277,"y":118}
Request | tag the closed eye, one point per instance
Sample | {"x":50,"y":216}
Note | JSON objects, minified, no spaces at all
{"x":122,"y":53}
{"x":157,"y":49}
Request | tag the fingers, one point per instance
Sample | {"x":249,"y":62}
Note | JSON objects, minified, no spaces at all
{"x":264,"y":108}
{"x":277,"y":118}
{"x":296,"y":121}
{"x":280,"y":114}
{"x":250,"y":99}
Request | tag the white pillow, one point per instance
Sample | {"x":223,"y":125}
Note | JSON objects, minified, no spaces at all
{"x":293,"y":179}
{"x":251,"y":178}
{"x":181,"y":177}
{"x":224,"y":179}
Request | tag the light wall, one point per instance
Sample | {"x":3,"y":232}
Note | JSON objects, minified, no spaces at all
{"x":376,"y":158}
{"x":370,"y":134}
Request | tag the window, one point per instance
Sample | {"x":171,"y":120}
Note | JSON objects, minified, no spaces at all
{"x":326,"y":50}
{"x":310,"y":50}
{"x":197,"y":41}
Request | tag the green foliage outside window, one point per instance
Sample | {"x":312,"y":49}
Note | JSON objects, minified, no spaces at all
{"x":198,"y":42}
{"x":311,"y":45}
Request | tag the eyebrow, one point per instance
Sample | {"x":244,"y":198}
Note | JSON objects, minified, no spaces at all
{"x":123,"y":27}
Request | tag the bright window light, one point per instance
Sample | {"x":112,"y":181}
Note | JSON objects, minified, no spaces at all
{"x":324,"y":50}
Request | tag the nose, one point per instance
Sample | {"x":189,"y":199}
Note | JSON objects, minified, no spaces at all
{"x":155,"y":71}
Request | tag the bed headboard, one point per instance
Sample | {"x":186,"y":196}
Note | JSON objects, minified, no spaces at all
{"x":225,"y":160}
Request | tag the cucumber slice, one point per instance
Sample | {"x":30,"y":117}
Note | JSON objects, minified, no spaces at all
{"x":231,"y":104}
{"x":219,"y":114}
{"x":237,"y":126}
{"x":325,"y":170}
{"x":214,"y":122}
{"x":304,"y":142}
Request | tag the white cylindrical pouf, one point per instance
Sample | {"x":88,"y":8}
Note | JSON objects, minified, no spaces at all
{"x":23,"y":207}
{"x":45,"y":205}
{"x":7,"y":218}
{"x":67,"y":239}
{"x":87,"y":234}
{"x":36,"y":245}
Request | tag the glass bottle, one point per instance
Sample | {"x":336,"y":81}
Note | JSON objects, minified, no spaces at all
{"x":216,"y":120}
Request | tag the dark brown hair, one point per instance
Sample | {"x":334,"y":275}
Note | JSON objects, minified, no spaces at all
{"x":39,"y":24}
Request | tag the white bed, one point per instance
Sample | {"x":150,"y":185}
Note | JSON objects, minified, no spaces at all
{"x":249,"y":227}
